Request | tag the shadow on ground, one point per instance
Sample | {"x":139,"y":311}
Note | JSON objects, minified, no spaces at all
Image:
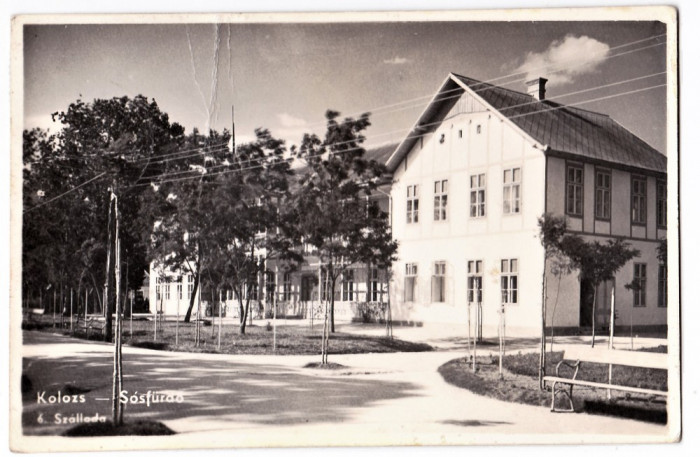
{"x":212,"y":388}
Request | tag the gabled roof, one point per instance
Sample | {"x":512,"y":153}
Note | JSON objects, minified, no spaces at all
{"x":564,"y":130}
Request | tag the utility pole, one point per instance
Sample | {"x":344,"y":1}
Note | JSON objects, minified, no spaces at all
{"x":117,"y":381}
{"x":107,"y":307}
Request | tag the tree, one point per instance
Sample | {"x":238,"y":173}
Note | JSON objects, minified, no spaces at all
{"x":105,"y":144}
{"x":177,"y":209}
{"x":331,"y":194}
{"x":552,"y":230}
{"x":330,"y":198}
{"x":596,"y":262}
{"x":255,"y":222}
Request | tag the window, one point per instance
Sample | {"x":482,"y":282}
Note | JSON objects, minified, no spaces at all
{"x":179,"y":288}
{"x":640,"y":284}
{"x":574,"y":190}
{"x":286,"y":286}
{"x":474,"y":281}
{"x":602,"y":194}
{"x":511,"y":191}
{"x":509,"y":281}
{"x":374,"y":284}
{"x":661,"y":204}
{"x":167,"y":291}
{"x":639,"y":200}
{"x":440,"y":202}
{"x":158,"y":281}
{"x":477,"y":195}
{"x":190,"y":286}
{"x":409,"y":290}
{"x":460,"y":133}
{"x":412,"y":204}
{"x":348,"y":285}
{"x":663,"y":286}
{"x":478,"y":129}
{"x":438,"y":283}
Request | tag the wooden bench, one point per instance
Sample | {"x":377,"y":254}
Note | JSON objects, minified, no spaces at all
{"x":605,"y":356}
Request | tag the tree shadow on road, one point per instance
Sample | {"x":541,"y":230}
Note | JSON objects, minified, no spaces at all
{"x":214,"y":389}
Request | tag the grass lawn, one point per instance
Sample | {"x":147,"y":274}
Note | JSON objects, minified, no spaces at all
{"x":520,"y":384}
{"x":258,"y":339}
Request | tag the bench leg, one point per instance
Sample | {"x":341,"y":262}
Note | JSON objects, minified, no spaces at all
{"x":568,"y":393}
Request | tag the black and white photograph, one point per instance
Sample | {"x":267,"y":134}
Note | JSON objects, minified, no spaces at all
{"x":345,"y":229}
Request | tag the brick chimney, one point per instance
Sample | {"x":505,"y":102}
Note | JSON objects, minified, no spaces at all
{"x":536,"y":88}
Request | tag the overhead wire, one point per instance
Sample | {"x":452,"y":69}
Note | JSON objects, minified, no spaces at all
{"x":417,"y":135}
{"x":382,"y":108}
{"x":617,"y":83}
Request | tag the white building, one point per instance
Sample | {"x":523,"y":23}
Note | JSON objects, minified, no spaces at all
{"x":470,"y":181}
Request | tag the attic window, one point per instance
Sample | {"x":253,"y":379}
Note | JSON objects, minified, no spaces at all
{"x":460,"y":133}
{"x":478,"y":129}
{"x":442,"y":138}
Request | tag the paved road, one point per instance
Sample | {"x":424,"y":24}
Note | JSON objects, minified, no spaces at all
{"x":237,"y":400}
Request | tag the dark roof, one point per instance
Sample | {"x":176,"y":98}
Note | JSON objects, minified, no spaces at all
{"x":566,"y":130}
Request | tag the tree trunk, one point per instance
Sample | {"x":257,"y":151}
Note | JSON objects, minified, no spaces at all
{"x":195,"y":289}
{"x":332,"y":310}
{"x":595,"y":292}
{"x":554,"y":312}
{"x":108,"y":283}
{"x":543,"y":349}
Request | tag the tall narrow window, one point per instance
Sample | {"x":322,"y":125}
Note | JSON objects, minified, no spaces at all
{"x":640,"y":284}
{"x":167,"y":291}
{"x":474,"y":281}
{"x":509,"y":281}
{"x":158,"y":281}
{"x":409,"y":290}
{"x":412,"y":204}
{"x":190,"y":286}
{"x":511,"y":191}
{"x":602,"y":194}
{"x":574,"y":190}
{"x":348,"y":285}
{"x":661,"y":204}
{"x":477,"y":195}
{"x":179,"y":288}
{"x":663,"y":286}
{"x":639,"y":200}
{"x":440,"y":202}
{"x":374,"y":284}
{"x":286,"y":286}
{"x":438,"y":283}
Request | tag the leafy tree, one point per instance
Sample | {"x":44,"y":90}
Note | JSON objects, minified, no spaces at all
{"x":178,"y":208}
{"x":107,"y":143}
{"x":331,"y":198}
{"x":596,"y":262}
{"x":255,"y":224}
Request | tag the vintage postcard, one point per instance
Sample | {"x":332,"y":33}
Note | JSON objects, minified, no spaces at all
{"x":345,"y":229}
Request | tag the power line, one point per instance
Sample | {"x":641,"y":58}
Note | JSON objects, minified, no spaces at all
{"x":617,"y":83}
{"x":65,"y":193}
{"x":423,"y":134}
{"x":383,"y":109}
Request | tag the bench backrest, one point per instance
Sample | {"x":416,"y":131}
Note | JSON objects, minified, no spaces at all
{"x":618,"y":357}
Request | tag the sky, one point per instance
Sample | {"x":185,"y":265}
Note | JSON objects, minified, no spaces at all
{"x":285,"y":76}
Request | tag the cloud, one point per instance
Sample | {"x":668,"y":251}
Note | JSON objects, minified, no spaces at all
{"x":565,"y":59}
{"x":289,"y":121}
{"x":397,"y":61}
{"x":291,"y":128}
